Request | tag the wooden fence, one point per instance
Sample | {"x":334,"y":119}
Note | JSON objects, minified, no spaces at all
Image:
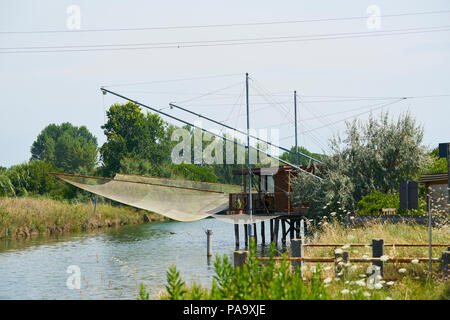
{"x":341,"y":258}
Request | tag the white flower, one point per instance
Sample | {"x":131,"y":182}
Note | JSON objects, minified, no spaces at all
{"x":415,"y":261}
{"x":362,"y":275}
{"x":402,"y":270}
{"x":366,"y":294}
{"x":327,"y":280}
{"x":338,"y":251}
{"x":353,"y":267}
{"x":388,"y":298}
{"x":378,"y":286}
{"x":365,"y":256}
{"x":345,"y":291}
{"x":390,"y":283}
{"x":346,"y":246}
{"x":361,"y":283}
{"x":384,"y":258}
{"x":327,"y":268}
{"x":333,"y":213}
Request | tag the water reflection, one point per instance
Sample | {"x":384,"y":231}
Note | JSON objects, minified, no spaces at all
{"x":112,"y":262}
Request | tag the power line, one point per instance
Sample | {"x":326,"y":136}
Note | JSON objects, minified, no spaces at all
{"x":224,"y":42}
{"x":353,"y":116}
{"x":172,"y":80}
{"x":220,"y":25}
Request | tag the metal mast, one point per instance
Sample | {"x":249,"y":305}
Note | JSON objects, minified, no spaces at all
{"x":250,"y":209}
{"x":295,"y":116}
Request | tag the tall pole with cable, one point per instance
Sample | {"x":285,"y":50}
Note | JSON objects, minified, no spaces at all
{"x":295,"y":116}
{"x":250,"y":209}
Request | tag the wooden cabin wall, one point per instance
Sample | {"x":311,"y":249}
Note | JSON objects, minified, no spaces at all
{"x":281,"y":179}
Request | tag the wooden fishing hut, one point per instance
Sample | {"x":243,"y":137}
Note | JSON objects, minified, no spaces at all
{"x":271,"y":196}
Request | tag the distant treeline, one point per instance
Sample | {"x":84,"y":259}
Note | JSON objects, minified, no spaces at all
{"x":136,"y":143}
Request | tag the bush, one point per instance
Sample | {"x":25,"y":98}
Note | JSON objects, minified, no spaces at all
{"x":273,"y":281}
{"x":372,"y":204}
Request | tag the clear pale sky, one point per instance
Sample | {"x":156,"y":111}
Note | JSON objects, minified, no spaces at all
{"x":42,"y":88}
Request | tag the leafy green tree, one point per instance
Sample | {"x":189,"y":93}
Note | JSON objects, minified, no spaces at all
{"x":302,"y":160}
{"x":67,"y":147}
{"x":133,"y":134}
{"x":376,"y":155}
{"x":437,"y":164}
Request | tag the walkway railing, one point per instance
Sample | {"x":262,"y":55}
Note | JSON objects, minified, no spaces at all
{"x":341,"y":258}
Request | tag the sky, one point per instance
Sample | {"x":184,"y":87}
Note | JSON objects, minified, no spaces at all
{"x":40,"y":88}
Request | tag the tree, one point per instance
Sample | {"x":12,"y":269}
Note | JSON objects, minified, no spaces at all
{"x":376,"y":155}
{"x":67,"y":147}
{"x":302,"y":160}
{"x":132,"y":134}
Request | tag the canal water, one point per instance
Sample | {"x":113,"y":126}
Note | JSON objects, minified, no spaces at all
{"x":112,"y":263}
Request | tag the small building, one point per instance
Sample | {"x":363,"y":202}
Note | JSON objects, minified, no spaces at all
{"x":271,"y":191}
{"x":436,"y":186}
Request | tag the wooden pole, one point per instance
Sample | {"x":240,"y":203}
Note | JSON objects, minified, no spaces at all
{"x":445,"y":263}
{"x":283,"y":232}
{"x":271,"y":231}
{"x":236,"y":235}
{"x":209,"y":242}
{"x":277,"y":228}
{"x":377,"y":252}
{"x":245,"y":235}
{"x":240,"y":257}
{"x":340,"y":262}
{"x":263,"y":233}
{"x":292,"y":229}
{"x":297,"y":251}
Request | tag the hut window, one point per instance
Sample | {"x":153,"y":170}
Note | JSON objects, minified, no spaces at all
{"x":270,"y":184}
{"x":262,"y":185}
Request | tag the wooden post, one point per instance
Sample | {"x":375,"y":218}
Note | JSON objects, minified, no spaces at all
{"x":271,"y":230}
{"x":297,"y":252}
{"x":277,"y":228}
{"x":340,"y":262}
{"x":297,"y":229}
{"x":377,"y":252}
{"x":283,"y":232}
{"x":236,"y":235}
{"x":245,"y":235}
{"x":240,"y":257}
{"x":263,"y":233}
{"x":209,"y":242}
{"x":445,"y":262}
{"x":291,"y":229}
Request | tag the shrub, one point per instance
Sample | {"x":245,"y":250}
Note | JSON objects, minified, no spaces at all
{"x":272,"y":280}
{"x":373,"y":203}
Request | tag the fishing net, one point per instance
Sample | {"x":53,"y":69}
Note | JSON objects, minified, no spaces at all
{"x":181,"y":200}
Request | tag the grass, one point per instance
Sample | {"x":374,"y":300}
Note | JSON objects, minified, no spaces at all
{"x":25,"y":217}
{"x":277,"y":280}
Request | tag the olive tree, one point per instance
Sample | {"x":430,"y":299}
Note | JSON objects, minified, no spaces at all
{"x":374,"y":155}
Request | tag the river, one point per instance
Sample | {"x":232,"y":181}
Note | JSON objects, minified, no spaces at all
{"x":113,"y":262}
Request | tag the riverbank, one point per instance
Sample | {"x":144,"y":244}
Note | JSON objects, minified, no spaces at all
{"x":401,"y":281}
{"x":22,"y":217}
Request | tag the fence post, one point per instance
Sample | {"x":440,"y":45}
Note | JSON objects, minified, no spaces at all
{"x":340,"y":260}
{"x":297,"y":252}
{"x":240,"y":257}
{"x":445,"y":263}
{"x":377,"y":252}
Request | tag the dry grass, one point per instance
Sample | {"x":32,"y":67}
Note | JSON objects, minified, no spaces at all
{"x":414,"y":283}
{"x":24,"y":217}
